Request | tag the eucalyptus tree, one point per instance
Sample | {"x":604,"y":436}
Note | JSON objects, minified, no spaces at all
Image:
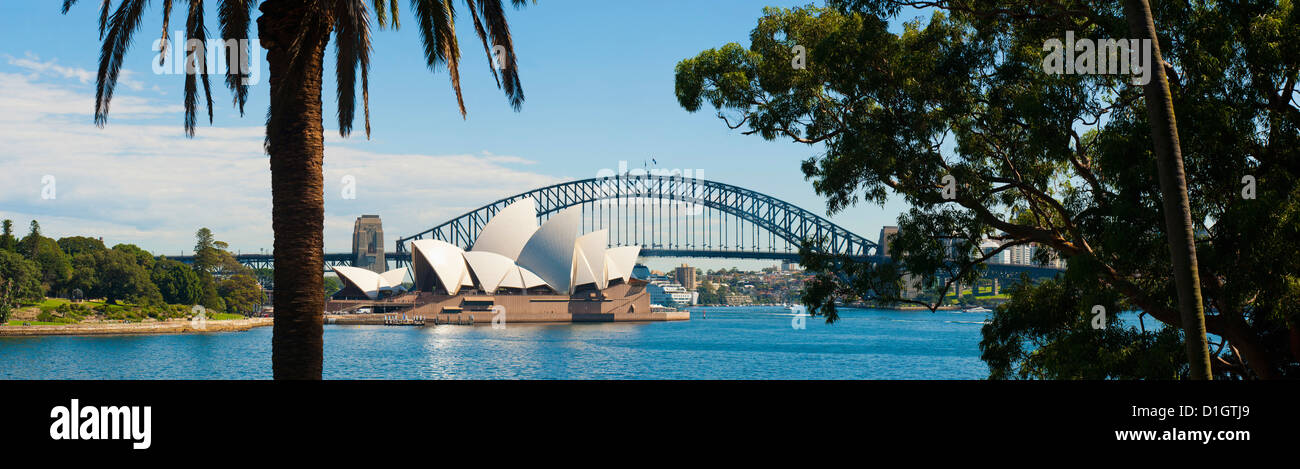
{"x":295,"y":34}
{"x":1081,"y":165}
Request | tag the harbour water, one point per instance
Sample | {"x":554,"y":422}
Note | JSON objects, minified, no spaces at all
{"x":717,"y":343}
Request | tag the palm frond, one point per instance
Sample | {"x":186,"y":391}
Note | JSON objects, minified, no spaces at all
{"x":382,"y":10}
{"x":352,"y":46}
{"x":121,"y":26}
{"x":482,"y":36}
{"x":167,"y":19}
{"x":437,"y":20}
{"x":498,"y":33}
{"x":196,"y":58}
{"x":104,"y":8}
{"x":381,"y":13}
{"x":235,"y":17}
{"x":103,"y":17}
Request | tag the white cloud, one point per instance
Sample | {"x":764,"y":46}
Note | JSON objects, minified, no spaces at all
{"x":138,"y":182}
{"x":51,"y":68}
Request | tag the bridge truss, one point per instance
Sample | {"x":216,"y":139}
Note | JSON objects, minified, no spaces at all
{"x":668,"y":216}
{"x":671,"y":216}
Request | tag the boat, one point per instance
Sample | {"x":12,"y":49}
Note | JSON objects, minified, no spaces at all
{"x":977,"y":309}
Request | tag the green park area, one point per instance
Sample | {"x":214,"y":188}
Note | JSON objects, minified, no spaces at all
{"x":77,"y":279}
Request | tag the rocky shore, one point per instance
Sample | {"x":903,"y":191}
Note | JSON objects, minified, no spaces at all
{"x":157,"y":327}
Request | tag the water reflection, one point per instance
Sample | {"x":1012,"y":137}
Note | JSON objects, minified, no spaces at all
{"x":737,"y":343}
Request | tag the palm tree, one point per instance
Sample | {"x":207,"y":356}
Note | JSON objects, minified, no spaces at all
{"x":295,"y":34}
{"x":1173,"y":192}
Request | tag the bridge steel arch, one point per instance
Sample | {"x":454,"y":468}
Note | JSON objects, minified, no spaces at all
{"x":778,"y":218}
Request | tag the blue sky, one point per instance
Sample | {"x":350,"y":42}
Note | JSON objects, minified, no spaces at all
{"x":598,"y":77}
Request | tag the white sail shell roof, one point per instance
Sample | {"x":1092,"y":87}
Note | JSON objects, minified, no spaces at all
{"x":530,"y":279}
{"x":589,"y":259}
{"x":395,"y":277}
{"x":492,"y":269}
{"x":549,"y":252}
{"x":513,"y":252}
{"x":620,"y":261}
{"x":363,"y":279}
{"x":446,"y":260}
{"x":519,"y":277}
{"x":369,"y":282}
{"x":513,"y":279}
{"x":509,"y":230}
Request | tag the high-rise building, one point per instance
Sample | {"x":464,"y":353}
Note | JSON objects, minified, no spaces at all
{"x":885,"y":234}
{"x":1021,"y":255}
{"x":368,"y":244}
{"x":987,"y":246}
{"x":686,"y":277}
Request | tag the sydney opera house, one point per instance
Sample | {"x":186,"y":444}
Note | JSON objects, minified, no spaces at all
{"x":515,"y":268}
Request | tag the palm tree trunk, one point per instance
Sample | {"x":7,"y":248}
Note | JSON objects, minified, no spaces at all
{"x":1173,"y":191}
{"x":295,"y":142}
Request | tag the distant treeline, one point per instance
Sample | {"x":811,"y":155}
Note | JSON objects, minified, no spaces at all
{"x":81,"y":267}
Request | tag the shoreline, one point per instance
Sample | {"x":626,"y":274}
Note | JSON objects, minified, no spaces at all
{"x":469,"y":318}
{"x":239,"y":325}
{"x":130,"y":328}
{"x":887,"y":308}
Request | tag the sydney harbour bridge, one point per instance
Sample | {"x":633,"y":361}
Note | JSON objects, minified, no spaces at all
{"x":668,"y":216}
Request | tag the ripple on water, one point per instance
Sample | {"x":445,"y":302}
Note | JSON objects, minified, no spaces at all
{"x":728,"y":343}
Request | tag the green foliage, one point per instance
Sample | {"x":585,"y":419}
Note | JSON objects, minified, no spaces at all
{"x":115,"y":274}
{"x":54,"y":265}
{"x":224,"y":283}
{"x":1058,"y":161}
{"x":267,"y":277}
{"x":142,"y":257}
{"x":177,"y":282}
{"x":1046,"y":332}
{"x":30,"y":243}
{"x":7,"y":240}
{"x":332,"y":286}
{"x":206,"y":255}
{"x":73,"y":245}
{"x":211,"y":298}
{"x":49,"y":318}
{"x":84,"y":276}
{"x":21,"y":277}
{"x":709,"y":294}
{"x":128,"y":273}
{"x":6,"y":302}
{"x":241,"y":293}
{"x":74,"y":312}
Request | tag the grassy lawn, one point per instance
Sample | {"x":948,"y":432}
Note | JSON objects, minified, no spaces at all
{"x":14,"y":322}
{"x":51,"y":303}
{"x":47,"y":304}
{"x":120,"y":311}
